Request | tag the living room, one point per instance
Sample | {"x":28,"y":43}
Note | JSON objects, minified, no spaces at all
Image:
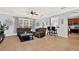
{"x":47,"y":25}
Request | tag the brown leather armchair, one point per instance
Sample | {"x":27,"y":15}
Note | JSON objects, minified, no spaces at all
{"x":40,"y":32}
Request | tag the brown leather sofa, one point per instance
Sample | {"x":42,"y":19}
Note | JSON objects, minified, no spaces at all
{"x":22,"y":30}
{"x":40,"y":32}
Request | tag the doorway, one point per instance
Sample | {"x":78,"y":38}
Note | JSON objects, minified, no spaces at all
{"x":73,"y":28}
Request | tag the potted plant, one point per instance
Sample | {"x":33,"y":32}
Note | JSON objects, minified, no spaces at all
{"x":3,"y":27}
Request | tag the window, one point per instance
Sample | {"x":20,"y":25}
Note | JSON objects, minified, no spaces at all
{"x":25,"y":23}
{"x":31,"y":23}
{"x":20,"y":23}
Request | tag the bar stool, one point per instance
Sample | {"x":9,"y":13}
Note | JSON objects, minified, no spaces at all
{"x":49,"y":30}
{"x":54,"y":30}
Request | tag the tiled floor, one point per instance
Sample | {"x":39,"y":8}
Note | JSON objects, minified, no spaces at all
{"x":48,"y":43}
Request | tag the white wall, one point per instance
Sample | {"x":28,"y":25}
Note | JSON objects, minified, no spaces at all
{"x":63,"y":26}
{"x":54,"y":21}
{"x":62,"y":23}
{"x":42,"y":22}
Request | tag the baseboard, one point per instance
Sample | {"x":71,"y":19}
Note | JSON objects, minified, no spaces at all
{"x":10,"y":34}
{"x":63,"y":36}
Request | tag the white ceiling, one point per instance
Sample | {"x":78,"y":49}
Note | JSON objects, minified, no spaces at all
{"x":42,"y":11}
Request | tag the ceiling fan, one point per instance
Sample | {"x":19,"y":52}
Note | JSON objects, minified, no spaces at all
{"x":33,"y":12}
